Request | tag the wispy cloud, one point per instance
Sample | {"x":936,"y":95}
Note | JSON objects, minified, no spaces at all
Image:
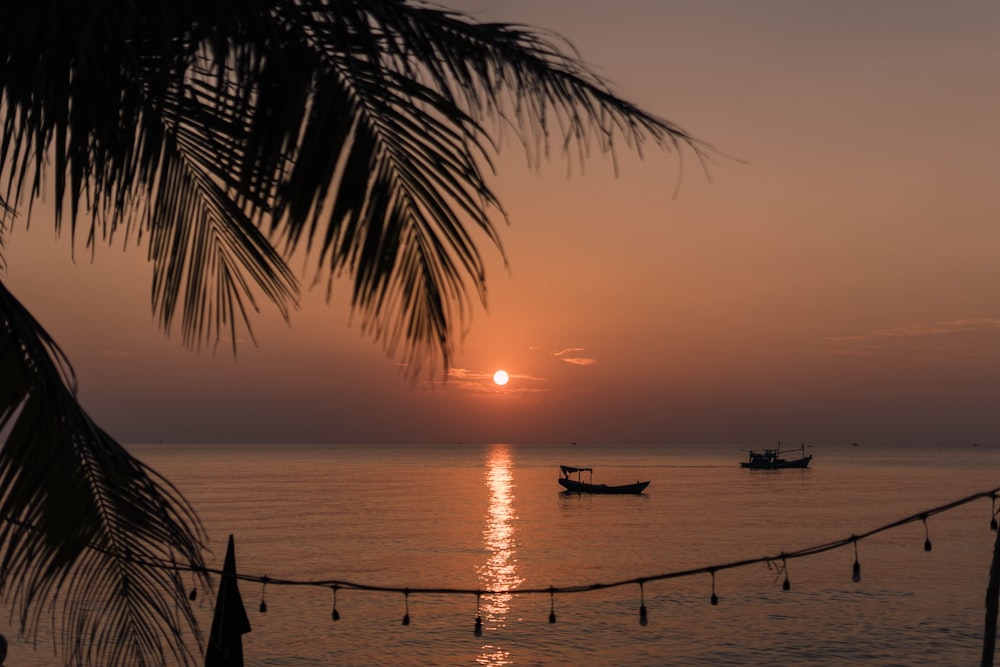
{"x":580,"y":361}
{"x":570,"y":355}
{"x":465,"y":374}
{"x":481,"y":382}
{"x":466,"y":379}
{"x":521,"y":383}
{"x":923,"y":342}
{"x":923,"y":329}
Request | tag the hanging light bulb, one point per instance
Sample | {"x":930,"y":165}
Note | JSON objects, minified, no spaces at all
{"x":335,"y":615}
{"x":406,"y":601}
{"x":715,"y":598}
{"x":856,"y":575}
{"x":263,"y":587}
{"x":927,"y":536}
{"x":478,"y":630}
{"x":552,"y":605}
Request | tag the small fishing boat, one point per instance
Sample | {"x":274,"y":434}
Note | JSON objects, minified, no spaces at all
{"x":771,"y":459}
{"x":579,"y":486}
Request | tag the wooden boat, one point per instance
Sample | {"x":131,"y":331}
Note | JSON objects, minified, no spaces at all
{"x":770,"y":459}
{"x":579,"y":486}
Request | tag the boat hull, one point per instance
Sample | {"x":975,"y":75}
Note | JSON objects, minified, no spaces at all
{"x":777,"y":465}
{"x":573,"y":486}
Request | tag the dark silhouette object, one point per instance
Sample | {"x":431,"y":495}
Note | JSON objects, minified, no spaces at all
{"x":770,"y":459}
{"x":3,"y":649}
{"x":992,"y":606}
{"x":579,"y":486}
{"x":229,"y":622}
{"x":225,"y":138}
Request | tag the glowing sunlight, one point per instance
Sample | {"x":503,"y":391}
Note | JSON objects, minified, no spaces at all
{"x":500,"y":571}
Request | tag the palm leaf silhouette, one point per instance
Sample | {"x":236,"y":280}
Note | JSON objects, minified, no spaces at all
{"x":359,"y":130}
{"x":82,"y":518}
{"x":227,"y":138}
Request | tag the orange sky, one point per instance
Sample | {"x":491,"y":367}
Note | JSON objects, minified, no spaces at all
{"x":838,"y":285}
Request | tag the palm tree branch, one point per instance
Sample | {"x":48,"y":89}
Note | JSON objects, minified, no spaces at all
{"x":479,"y":65}
{"x":420,"y":171}
{"x":207,"y":253}
{"x":420,"y":108}
{"x":78,"y":515}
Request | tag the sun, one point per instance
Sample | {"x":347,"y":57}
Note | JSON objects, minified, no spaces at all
{"x":501,"y":378}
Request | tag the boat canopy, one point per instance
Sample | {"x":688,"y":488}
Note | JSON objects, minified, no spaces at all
{"x":570,"y":469}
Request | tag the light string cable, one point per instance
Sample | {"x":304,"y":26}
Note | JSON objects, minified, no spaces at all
{"x":772,"y":561}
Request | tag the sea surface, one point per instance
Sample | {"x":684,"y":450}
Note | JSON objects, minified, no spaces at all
{"x":492,"y":517}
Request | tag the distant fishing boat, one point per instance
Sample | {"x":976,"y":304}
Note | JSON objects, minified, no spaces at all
{"x":770,"y":459}
{"x":579,"y":486}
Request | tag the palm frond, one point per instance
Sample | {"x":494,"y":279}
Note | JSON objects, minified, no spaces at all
{"x":117,"y":101}
{"x":281,"y":118}
{"x":520,"y":75}
{"x":400,"y":107}
{"x":227,"y":135}
{"x":81,"y":519}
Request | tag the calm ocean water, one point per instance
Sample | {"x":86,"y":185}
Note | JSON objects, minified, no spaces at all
{"x":493,"y":517}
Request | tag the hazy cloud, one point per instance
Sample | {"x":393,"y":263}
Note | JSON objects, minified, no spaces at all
{"x":922,"y":329}
{"x":924,"y":342}
{"x":469,"y":380}
{"x":570,"y":355}
{"x":465,"y":379}
{"x":465,"y":374}
{"x":580,"y":361}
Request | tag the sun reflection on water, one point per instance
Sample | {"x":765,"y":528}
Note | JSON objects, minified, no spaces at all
{"x":499,"y":573}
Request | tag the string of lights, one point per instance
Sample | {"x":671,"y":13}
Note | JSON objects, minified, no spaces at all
{"x":777,"y":562}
